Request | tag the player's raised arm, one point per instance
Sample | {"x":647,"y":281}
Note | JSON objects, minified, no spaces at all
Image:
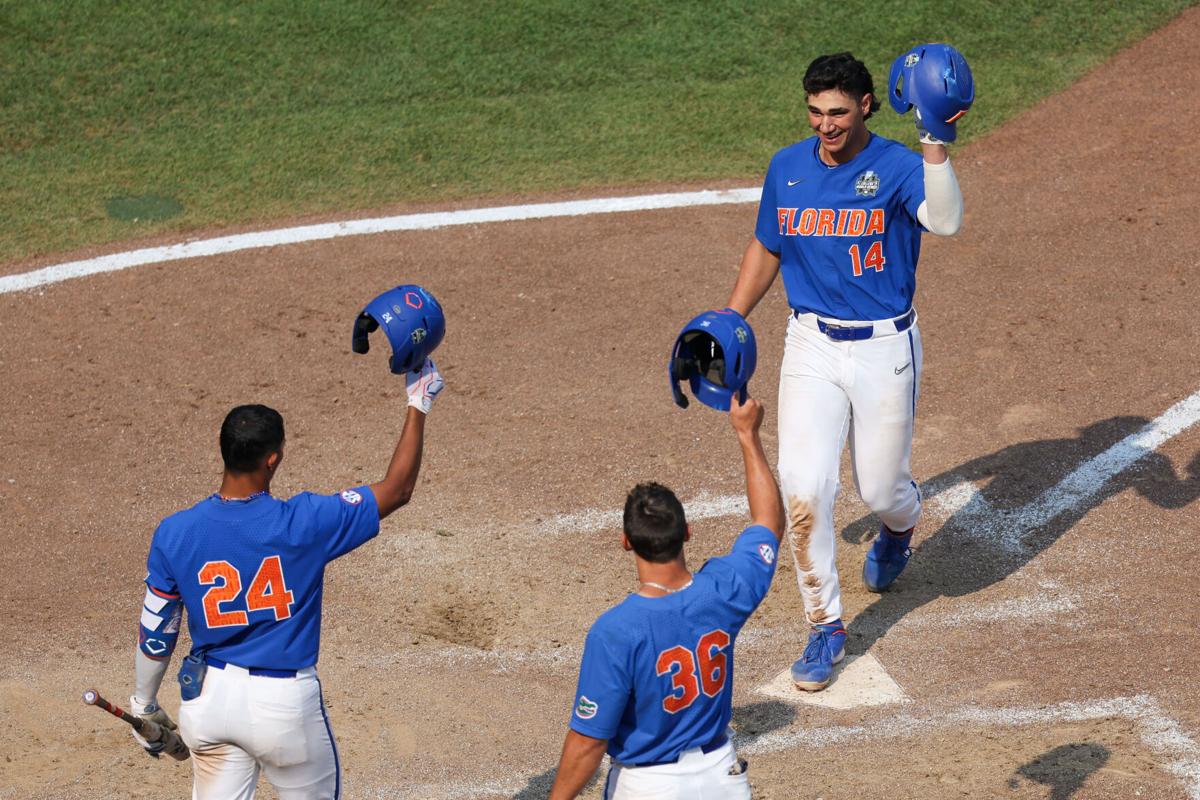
{"x":755,"y":275}
{"x":762,"y":491}
{"x":397,"y":486}
{"x":936,"y":82}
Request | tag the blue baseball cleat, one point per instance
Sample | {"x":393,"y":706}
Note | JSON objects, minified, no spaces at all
{"x":826,"y":647}
{"x":887,"y":559}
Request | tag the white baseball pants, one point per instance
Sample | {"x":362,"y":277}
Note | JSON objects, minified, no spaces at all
{"x":828,"y":389}
{"x":242,"y":723}
{"x":695,"y":776}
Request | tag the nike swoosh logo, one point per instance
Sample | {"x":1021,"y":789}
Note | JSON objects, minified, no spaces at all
{"x":899,"y":370}
{"x":793,"y":183}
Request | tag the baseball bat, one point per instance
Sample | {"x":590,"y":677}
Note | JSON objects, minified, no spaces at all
{"x":149,"y":730}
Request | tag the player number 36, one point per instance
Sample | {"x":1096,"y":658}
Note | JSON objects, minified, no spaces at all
{"x":267,"y":592}
{"x":686,"y":686}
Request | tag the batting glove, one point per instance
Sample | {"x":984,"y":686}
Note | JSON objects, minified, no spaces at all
{"x":925,"y":136}
{"x":153,"y":712}
{"x":423,"y":386}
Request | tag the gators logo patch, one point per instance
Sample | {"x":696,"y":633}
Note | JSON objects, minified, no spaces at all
{"x":766,"y":553}
{"x":586,"y":708}
{"x":352,"y":497}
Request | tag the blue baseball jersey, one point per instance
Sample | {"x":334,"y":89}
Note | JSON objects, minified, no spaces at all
{"x":250,"y":573}
{"x":657,"y":673}
{"x":847,"y":236}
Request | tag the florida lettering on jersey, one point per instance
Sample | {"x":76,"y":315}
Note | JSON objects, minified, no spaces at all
{"x":831,"y":221}
{"x":847,"y":237}
{"x":657,"y":673}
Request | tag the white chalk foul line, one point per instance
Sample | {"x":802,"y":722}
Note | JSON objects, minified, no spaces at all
{"x":1158,"y":732}
{"x":1007,"y":526}
{"x":362,"y":227}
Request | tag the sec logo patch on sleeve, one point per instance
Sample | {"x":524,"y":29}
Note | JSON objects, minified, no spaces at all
{"x":766,"y":553}
{"x":586,"y":708}
{"x":352,"y":497}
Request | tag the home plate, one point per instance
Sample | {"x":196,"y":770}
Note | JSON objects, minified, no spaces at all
{"x":857,"y":681}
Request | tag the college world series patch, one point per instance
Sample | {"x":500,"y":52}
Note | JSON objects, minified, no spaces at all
{"x":586,"y":708}
{"x":767,"y":553}
{"x":352,"y":497}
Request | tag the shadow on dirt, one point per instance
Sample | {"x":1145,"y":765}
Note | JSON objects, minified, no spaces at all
{"x":964,"y":557}
{"x":1064,"y":769}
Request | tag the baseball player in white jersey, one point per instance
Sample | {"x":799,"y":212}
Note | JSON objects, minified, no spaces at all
{"x":841,"y":217}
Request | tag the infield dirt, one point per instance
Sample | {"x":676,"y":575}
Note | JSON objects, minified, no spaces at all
{"x":1060,"y":320}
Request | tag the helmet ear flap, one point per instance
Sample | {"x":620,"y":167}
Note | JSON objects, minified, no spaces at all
{"x":898,"y":84}
{"x":365,"y":324}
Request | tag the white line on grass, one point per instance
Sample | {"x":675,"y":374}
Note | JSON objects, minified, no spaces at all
{"x":361,"y":227}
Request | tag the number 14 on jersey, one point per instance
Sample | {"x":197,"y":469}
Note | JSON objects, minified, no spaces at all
{"x":874,"y":259}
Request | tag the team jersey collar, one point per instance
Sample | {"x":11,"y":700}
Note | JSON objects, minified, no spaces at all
{"x":252,"y":506}
{"x":816,"y":152}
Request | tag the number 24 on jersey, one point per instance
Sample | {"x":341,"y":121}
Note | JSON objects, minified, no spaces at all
{"x":268,"y":592}
{"x":681,"y":664}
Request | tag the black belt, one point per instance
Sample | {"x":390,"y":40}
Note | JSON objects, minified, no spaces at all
{"x":715,"y":744}
{"x":855,"y":333}
{"x":259,"y":671}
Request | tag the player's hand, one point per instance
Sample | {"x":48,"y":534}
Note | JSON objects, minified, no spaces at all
{"x":423,"y":386}
{"x":746,"y":417}
{"x":153,"y":712}
{"x":925,"y":136}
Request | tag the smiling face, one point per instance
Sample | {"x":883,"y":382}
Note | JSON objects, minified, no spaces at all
{"x":840,"y":122}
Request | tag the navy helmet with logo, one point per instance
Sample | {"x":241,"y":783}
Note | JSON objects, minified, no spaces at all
{"x":411,"y":318}
{"x":937,"y":80}
{"x":716,"y":354}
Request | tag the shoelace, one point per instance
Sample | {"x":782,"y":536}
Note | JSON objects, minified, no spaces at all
{"x":812,"y":652}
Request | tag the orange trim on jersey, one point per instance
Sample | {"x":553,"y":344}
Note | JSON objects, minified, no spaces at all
{"x":957,"y":116}
{"x":161,"y":593}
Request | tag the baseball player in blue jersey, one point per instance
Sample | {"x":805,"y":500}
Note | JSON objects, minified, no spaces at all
{"x":841,"y":216}
{"x":248,"y":568}
{"x":656,"y":681}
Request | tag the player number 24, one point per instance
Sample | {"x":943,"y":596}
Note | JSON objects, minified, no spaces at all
{"x":267,"y":592}
{"x":681,"y":663}
{"x":874,"y":259}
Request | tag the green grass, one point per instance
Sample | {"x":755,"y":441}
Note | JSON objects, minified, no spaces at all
{"x":245,"y":112}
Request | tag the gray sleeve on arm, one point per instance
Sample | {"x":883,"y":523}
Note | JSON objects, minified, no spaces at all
{"x":149,"y":676}
{"x":942,"y":210}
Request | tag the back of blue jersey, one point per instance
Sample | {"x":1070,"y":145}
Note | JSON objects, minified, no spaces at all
{"x":847,"y":236}
{"x":251,"y":573}
{"x":657,"y":673}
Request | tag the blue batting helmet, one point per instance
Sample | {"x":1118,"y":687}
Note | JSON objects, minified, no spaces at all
{"x":411,"y":318}
{"x":716,"y":354}
{"x":936,"y":79}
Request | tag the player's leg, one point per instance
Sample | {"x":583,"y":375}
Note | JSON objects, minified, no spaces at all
{"x":884,"y":393}
{"x":293,"y":739}
{"x":814,"y":415}
{"x":221,"y":769}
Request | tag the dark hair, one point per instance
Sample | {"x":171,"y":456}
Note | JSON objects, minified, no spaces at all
{"x":654,"y":522}
{"x":248,"y":435}
{"x":844,"y":72}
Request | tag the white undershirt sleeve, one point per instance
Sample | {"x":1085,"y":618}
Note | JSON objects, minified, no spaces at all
{"x":942,"y":210}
